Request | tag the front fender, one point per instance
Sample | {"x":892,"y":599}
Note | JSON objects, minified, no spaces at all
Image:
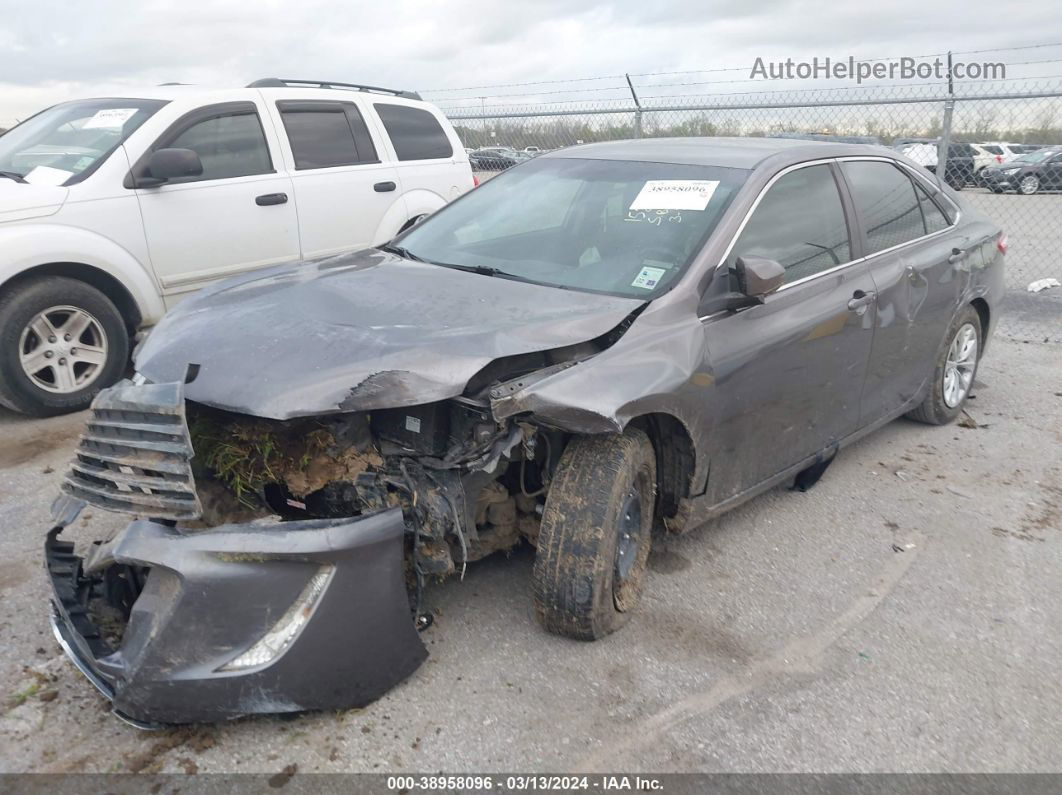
{"x":27,"y":246}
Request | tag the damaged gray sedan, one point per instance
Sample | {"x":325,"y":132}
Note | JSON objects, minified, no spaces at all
{"x":598,"y":342}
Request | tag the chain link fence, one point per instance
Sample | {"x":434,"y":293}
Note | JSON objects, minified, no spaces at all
{"x":973,"y":137}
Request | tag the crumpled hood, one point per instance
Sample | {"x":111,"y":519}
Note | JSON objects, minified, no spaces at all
{"x":22,"y":201}
{"x":360,"y":331}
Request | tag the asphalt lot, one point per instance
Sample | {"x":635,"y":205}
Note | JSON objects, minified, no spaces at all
{"x":900,"y":616}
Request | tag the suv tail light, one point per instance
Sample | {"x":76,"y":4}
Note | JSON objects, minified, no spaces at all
{"x":1002,"y":243}
{"x":475,"y":181}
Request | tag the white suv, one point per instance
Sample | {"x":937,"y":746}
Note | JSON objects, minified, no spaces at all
{"x":112,"y":210}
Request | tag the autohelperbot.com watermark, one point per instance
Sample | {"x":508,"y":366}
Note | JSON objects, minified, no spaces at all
{"x":851,"y":68}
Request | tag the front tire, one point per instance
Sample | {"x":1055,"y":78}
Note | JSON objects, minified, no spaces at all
{"x":954,"y":371}
{"x":61,"y":342}
{"x":593,"y":542}
{"x":1029,"y":185}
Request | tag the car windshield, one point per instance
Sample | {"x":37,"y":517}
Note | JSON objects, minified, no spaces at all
{"x":67,"y":142}
{"x":1034,"y":157}
{"x":611,"y":226}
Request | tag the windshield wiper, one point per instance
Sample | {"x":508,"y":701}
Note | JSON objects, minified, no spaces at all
{"x":402,"y":252}
{"x":482,"y":270}
{"x":13,"y":175}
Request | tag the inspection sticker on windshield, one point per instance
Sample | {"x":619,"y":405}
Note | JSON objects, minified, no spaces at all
{"x":648,"y":278}
{"x":675,"y":194}
{"x":109,"y":119}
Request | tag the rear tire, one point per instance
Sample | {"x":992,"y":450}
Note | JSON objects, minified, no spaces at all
{"x":593,"y":542}
{"x":945,"y":402}
{"x":36,"y":386}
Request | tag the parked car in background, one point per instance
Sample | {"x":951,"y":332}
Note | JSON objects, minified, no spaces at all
{"x":606,"y":340}
{"x":112,"y":210}
{"x":1029,"y":173}
{"x":496,"y":158}
{"x":1003,"y":151}
{"x":960,"y":166}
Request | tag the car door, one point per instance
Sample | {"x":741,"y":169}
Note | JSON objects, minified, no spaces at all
{"x":342,"y":188}
{"x":910,"y":246}
{"x":235,"y":216}
{"x":789,"y":372}
{"x":1052,"y":171}
{"x":424,"y":150}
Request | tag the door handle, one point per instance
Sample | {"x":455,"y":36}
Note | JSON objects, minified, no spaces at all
{"x":861,"y":300}
{"x":271,"y":198}
{"x":384,"y":187}
{"x":956,"y":255}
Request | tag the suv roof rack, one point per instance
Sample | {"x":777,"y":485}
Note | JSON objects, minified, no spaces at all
{"x":280,"y":82}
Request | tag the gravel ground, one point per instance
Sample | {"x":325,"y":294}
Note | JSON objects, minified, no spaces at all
{"x":900,"y":616}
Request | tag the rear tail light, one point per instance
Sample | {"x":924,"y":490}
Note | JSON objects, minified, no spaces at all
{"x":1002,"y":243}
{"x":999,"y":158}
{"x":475,"y":181}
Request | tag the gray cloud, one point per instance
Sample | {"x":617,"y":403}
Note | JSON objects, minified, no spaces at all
{"x":50,"y":51}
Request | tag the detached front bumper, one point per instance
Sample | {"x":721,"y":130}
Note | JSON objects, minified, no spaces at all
{"x":326,"y":597}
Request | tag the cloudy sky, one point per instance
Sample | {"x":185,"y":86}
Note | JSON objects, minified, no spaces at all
{"x":51,"y":51}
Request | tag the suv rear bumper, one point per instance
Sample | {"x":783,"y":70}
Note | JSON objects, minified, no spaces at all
{"x":197,"y":601}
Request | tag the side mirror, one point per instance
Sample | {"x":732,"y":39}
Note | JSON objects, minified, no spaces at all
{"x":167,"y":164}
{"x":755,"y":277}
{"x":758,"y":276}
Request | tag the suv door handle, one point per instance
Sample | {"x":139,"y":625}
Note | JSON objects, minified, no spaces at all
{"x":861,"y":300}
{"x":956,"y":255}
{"x":271,"y":198}
{"x":384,"y":187}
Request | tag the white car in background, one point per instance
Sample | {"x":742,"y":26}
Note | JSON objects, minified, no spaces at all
{"x":112,"y":210}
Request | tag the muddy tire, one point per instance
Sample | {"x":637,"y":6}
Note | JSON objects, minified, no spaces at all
{"x":76,"y":327}
{"x":593,"y":542}
{"x":954,"y":370}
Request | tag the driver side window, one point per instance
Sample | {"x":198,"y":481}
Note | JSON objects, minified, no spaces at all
{"x":799,"y":223}
{"x":228,"y":144}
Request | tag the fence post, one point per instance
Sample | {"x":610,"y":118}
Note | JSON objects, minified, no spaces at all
{"x":944,"y":145}
{"x":638,"y":106}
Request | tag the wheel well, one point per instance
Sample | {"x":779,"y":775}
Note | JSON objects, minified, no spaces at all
{"x":981,"y":305}
{"x":101,"y":280}
{"x":675,"y":459}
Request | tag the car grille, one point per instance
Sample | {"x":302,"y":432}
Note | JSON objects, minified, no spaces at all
{"x":135,"y":454}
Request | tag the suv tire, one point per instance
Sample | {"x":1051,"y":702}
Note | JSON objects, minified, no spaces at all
{"x":71,"y":375}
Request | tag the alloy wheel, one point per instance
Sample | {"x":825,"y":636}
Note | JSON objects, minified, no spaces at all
{"x":1029,"y":185}
{"x":960,"y":366}
{"x":63,"y":349}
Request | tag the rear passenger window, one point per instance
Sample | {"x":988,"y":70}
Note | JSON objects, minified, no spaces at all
{"x":326,"y":134}
{"x":799,"y":223}
{"x":931,"y":214}
{"x":416,"y":133}
{"x":885,"y":199}
{"x":229,"y":145}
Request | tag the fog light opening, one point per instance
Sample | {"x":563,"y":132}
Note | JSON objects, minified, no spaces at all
{"x":276,"y":641}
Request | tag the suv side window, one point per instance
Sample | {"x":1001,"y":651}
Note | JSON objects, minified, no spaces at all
{"x":326,"y":134}
{"x":885,"y":198}
{"x":799,"y":223}
{"x":415,"y":133}
{"x":230,"y":144}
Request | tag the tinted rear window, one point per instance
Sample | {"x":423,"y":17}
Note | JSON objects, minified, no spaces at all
{"x":416,"y":134}
{"x":326,"y":134}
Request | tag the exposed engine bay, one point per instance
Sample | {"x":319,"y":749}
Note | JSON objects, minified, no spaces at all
{"x":467,"y":485}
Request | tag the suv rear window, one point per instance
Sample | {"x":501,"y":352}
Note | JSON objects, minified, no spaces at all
{"x":416,"y":133}
{"x":326,"y":134}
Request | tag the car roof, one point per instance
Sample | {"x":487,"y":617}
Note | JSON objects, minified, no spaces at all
{"x":744,"y":153}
